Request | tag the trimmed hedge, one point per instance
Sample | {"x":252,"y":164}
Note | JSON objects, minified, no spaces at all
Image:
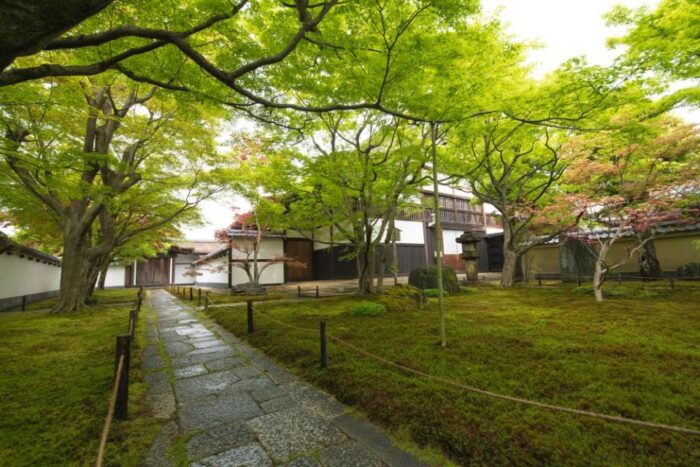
{"x":425,"y":277}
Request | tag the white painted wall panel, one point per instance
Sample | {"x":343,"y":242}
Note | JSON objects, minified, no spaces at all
{"x":214,"y":272}
{"x":411,"y":232}
{"x":269,"y":248}
{"x":115,"y":276}
{"x":272,"y":275}
{"x":20,"y":276}
{"x":450,"y":246}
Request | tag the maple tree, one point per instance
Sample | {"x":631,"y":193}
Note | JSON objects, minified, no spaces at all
{"x":632,"y":181}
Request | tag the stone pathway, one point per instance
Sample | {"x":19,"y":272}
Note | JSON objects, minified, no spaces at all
{"x":229,"y":405}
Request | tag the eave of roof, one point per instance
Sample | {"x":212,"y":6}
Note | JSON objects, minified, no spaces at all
{"x":9,"y":246}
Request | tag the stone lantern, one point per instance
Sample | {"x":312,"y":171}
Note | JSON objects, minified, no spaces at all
{"x":470,"y":253}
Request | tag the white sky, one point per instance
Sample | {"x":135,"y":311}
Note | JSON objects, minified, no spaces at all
{"x":564,"y":28}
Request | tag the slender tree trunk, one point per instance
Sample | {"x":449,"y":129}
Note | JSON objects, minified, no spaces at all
{"x":382,"y":268}
{"x":649,"y":265}
{"x":599,"y":279}
{"x":510,"y":258}
{"x":438,"y":234}
{"x":103,"y":274}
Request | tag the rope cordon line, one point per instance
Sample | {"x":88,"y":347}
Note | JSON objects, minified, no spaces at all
{"x":110,"y":412}
{"x":484,"y":392}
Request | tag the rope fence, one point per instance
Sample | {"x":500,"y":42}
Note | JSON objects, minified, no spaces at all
{"x":673,"y":281}
{"x":324,"y":337}
{"x":119,"y":400}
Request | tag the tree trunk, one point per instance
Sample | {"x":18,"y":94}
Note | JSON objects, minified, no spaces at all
{"x":598,"y":279}
{"x":74,"y":275}
{"x":649,"y":265}
{"x":510,"y":258}
{"x":103,"y":275}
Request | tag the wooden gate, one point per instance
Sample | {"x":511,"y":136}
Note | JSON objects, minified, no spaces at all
{"x":302,"y":252}
{"x":153,"y":273}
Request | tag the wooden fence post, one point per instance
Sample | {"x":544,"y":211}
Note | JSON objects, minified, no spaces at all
{"x":299,"y":291}
{"x":24,"y":303}
{"x":191,"y":295}
{"x":132,"y":323}
{"x":317,"y":292}
{"x":199,"y":297}
{"x":539,"y":279}
{"x":206,"y":300}
{"x":251,"y":324}
{"x":121,"y":406}
{"x":324,"y":346}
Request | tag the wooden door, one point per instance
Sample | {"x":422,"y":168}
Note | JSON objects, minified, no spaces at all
{"x":302,"y":252}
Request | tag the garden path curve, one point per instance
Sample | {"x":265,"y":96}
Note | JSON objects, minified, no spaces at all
{"x":229,"y":405}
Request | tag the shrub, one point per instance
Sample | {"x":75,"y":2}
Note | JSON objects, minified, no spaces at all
{"x":435,"y":293}
{"x":465,"y":289}
{"x":402,"y":298}
{"x":425,"y":277}
{"x":367,"y":309}
{"x":689,"y":270}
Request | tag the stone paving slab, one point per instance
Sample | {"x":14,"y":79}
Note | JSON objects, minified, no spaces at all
{"x":232,"y":406}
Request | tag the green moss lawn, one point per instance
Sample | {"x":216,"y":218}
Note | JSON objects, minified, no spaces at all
{"x":55,"y":385}
{"x":638,"y":358}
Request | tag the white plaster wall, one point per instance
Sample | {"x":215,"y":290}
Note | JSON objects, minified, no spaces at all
{"x":271,"y":275}
{"x":450,"y":246}
{"x":214,"y":272}
{"x":20,"y":276}
{"x":270,"y":248}
{"x":183,"y":265}
{"x":115,"y":276}
{"x":411,"y":232}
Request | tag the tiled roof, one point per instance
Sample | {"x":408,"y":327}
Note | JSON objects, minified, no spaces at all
{"x":9,"y":246}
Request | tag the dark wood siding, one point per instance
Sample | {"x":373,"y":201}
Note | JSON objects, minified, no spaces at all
{"x":153,"y":273}
{"x":494,"y":252}
{"x":337,"y":263}
{"x":302,"y":251}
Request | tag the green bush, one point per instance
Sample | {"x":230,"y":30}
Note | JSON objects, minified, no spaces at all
{"x":367,"y":309}
{"x":435,"y":293}
{"x":402,"y":298}
{"x":425,"y":277}
{"x":465,"y":289}
{"x":618,"y":291}
{"x":689,"y":270}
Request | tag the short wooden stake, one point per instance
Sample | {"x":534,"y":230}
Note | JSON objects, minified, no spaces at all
{"x":299,"y":291}
{"x":317,"y":292}
{"x":539,"y":279}
{"x":579,"y":282}
{"x":206,"y":301}
{"x":132,"y":323}
{"x":122,"y":402}
{"x":191,"y":295}
{"x":24,"y":303}
{"x":324,"y":346}
{"x":673,"y":285}
{"x":251,"y":324}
